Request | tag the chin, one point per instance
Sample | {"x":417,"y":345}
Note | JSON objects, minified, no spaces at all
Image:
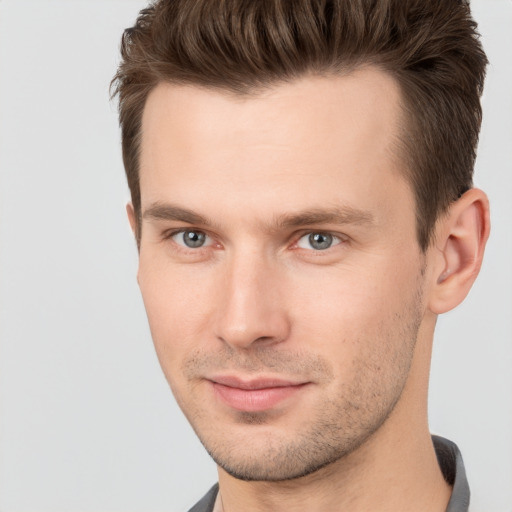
{"x":276,"y":457}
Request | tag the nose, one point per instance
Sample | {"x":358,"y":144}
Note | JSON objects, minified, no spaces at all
{"x":251,"y":309}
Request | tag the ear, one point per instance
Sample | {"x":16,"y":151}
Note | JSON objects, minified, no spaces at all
{"x":131,"y":217}
{"x":134,"y":223}
{"x":461,"y":235}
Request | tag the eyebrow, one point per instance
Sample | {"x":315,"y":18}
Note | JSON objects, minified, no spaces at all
{"x":335,"y":215}
{"x":159,"y":211}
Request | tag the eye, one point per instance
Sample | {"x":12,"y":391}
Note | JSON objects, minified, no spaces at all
{"x":318,"y":241}
{"x":191,"y":239}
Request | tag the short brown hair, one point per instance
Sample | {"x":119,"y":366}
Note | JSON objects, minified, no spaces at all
{"x":431,"y":48}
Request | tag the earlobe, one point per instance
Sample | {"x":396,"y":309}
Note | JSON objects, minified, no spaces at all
{"x":461,"y":238}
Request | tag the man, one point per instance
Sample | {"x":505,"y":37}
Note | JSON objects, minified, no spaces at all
{"x":301,"y":182}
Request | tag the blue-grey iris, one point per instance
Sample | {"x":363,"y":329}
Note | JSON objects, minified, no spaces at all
{"x":320,"y":241}
{"x":194,"y":239}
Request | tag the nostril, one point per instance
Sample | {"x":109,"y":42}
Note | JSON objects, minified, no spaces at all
{"x":256,"y":333}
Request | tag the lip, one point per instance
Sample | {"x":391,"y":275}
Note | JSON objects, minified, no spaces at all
{"x":254,"y":395}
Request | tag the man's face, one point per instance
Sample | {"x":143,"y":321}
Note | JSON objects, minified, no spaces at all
{"x":279,"y":266}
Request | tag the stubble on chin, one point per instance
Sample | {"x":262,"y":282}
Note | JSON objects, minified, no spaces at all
{"x":250,"y":447}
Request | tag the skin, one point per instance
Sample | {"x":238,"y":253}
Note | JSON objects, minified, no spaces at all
{"x":352,"y":323}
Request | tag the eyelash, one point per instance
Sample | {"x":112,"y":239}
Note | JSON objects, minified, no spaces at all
{"x":169,"y":236}
{"x":337,"y":239}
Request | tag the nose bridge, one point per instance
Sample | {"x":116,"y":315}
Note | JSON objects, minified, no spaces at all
{"x":250,"y":309}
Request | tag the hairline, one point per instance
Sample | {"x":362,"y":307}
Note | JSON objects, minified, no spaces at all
{"x":401,"y":154}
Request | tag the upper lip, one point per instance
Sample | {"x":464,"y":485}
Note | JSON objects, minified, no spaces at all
{"x":258,"y":383}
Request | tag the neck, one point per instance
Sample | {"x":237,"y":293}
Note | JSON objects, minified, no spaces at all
{"x":397,"y":477}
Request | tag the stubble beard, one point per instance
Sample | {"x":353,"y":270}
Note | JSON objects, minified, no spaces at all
{"x":338,"y":425}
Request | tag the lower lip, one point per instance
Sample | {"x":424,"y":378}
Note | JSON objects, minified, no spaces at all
{"x":254,"y":400}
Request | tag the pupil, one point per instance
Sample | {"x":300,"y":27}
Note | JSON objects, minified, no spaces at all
{"x":193,"y":238}
{"x":320,"y":241}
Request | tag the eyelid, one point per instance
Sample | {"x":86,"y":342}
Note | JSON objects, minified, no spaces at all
{"x":338,"y":239}
{"x":171,"y":234}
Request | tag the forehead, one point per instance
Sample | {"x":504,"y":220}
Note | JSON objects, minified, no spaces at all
{"x":331,"y":137}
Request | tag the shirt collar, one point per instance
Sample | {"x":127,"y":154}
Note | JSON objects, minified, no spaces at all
{"x":452,"y":466}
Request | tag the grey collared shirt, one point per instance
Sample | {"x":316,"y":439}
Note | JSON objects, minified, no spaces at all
{"x":450,"y":462}
{"x":452,"y":466}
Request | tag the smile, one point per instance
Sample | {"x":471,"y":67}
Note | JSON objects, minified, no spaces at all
{"x":255,"y":395}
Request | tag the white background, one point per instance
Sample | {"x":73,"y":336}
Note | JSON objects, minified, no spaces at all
{"x":87,"y":422}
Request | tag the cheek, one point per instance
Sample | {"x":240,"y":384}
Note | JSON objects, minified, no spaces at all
{"x":347,"y":312}
{"x":176,"y":302}
{"x":342,"y":298}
